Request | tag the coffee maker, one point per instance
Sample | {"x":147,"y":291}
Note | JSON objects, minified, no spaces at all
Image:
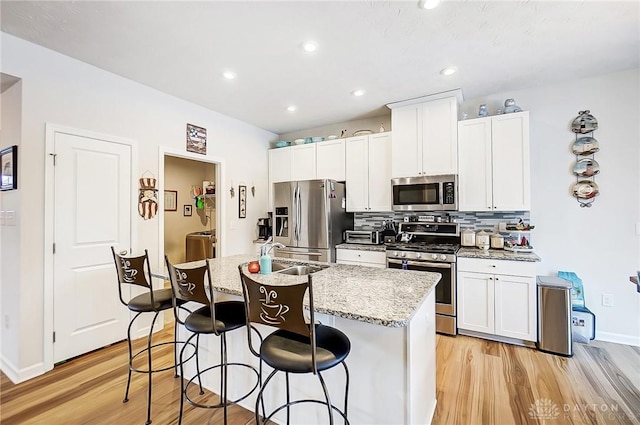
{"x":264,"y":228}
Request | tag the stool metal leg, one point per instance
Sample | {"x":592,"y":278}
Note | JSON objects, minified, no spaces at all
{"x":175,"y":348}
{"x":126,"y":393}
{"x":198,"y":363}
{"x":326,"y":396}
{"x":346,"y":392}
{"x":153,"y":322}
{"x":223,"y":374}
{"x":286,"y":374}
{"x":182,"y":378}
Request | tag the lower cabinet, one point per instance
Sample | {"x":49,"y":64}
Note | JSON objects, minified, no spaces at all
{"x":497,"y":297}
{"x":361,"y":258}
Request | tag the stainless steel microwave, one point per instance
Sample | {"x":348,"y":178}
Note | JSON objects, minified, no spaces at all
{"x":425,"y":193}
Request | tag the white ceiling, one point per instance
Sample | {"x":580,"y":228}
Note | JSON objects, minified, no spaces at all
{"x":393,"y":50}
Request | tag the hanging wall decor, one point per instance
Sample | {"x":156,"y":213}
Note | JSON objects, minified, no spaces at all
{"x":586,"y":167}
{"x":196,"y":139}
{"x":9,"y":168}
{"x":148,"y":198}
{"x":242,"y":201}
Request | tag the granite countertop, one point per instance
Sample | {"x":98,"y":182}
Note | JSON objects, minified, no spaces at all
{"x":362,"y":247}
{"x":497,"y":254}
{"x":386,"y":297}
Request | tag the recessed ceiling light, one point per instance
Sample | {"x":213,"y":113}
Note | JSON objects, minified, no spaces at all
{"x":450,"y":70}
{"x":310,"y":46}
{"x":358,"y":92}
{"x":229,"y":75}
{"x":292,"y":108}
{"x":429,"y":4}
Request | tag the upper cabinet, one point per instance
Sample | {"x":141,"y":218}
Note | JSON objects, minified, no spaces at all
{"x":330,"y":160}
{"x":368,"y":173}
{"x":323,"y":160}
{"x":494,"y":170}
{"x":425,"y":135}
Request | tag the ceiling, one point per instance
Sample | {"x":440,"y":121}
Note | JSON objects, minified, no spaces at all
{"x":393,"y":50}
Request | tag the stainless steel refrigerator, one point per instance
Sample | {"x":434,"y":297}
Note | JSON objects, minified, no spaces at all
{"x":309,"y":218}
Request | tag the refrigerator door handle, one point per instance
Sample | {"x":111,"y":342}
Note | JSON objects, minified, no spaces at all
{"x":296,"y":194}
{"x":299,"y":213}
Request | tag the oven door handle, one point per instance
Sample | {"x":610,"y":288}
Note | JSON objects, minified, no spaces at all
{"x":421,"y":263}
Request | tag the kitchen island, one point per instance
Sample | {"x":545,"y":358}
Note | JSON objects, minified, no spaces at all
{"x":389,"y":317}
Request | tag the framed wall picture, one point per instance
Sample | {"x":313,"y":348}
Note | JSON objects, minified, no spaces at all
{"x":9,"y":168}
{"x":170,"y":200}
{"x":196,"y":139}
{"x":186,"y":210}
{"x":242,"y":201}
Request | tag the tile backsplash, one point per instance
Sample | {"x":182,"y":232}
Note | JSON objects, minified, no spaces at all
{"x":468,"y":220}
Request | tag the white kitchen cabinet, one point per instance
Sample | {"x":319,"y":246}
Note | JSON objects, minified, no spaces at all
{"x":330,"y":160}
{"x":280,"y":165}
{"x":425,"y":138}
{"x":368,"y":172}
{"x":376,"y":259}
{"x":497,"y":297}
{"x":303,"y":162}
{"x":494,"y":169}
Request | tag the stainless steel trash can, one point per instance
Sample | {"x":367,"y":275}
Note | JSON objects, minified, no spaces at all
{"x":554,"y":315}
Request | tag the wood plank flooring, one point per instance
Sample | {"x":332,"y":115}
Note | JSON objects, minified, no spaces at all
{"x":478,"y":383}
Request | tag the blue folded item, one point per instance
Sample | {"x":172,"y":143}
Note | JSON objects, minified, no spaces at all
{"x":577,"y":290}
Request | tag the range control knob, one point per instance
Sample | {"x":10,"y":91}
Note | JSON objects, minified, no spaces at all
{"x":418,"y":255}
{"x":434,"y":256}
{"x":403,"y":254}
{"x":443,"y":257}
{"x":394,"y":254}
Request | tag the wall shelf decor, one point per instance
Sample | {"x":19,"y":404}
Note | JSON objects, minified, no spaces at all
{"x":586,"y":167}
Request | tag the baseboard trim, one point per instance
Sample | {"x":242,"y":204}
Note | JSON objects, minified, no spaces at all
{"x":618,"y":338}
{"x":497,"y":338}
{"x":20,"y":375}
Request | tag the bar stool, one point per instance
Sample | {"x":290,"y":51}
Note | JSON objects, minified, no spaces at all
{"x":296,"y":346}
{"x":135,"y":270}
{"x":217,"y":318}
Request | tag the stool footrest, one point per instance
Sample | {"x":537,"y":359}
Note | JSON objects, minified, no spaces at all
{"x":146,"y":349}
{"x":291,"y":403}
{"x":229,"y":402}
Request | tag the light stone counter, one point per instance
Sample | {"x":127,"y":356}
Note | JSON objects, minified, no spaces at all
{"x":386,"y":297}
{"x":498,"y":254}
{"x":362,"y":247}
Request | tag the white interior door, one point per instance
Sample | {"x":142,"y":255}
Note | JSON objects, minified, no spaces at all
{"x":92,"y":209}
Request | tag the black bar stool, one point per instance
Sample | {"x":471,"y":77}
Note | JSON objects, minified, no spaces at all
{"x":296,"y":346}
{"x":135,"y":270}
{"x":217,"y":318}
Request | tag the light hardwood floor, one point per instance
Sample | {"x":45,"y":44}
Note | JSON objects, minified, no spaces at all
{"x":478,"y":383}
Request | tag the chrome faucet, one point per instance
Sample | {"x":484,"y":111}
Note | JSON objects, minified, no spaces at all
{"x":266,"y":247}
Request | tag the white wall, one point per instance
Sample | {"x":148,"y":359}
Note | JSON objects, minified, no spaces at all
{"x":600,"y":244}
{"x":60,"y":90}
{"x":10,"y":231}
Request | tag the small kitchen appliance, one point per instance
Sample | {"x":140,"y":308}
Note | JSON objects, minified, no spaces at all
{"x":425,"y":193}
{"x":264,"y":228}
{"x":431,"y":247}
{"x":367,"y":237}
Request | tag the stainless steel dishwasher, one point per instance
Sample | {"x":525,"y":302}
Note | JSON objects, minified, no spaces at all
{"x":200,"y":245}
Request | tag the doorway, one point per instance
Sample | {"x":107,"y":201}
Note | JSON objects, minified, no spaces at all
{"x":174,"y":177}
{"x":190,"y":228}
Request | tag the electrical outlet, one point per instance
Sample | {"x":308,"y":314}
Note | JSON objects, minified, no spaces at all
{"x":607,"y":300}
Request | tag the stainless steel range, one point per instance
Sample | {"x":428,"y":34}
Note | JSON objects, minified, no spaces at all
{"x":431,"y":247}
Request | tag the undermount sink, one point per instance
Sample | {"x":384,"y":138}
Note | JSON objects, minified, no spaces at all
{"x":295,"y":269}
